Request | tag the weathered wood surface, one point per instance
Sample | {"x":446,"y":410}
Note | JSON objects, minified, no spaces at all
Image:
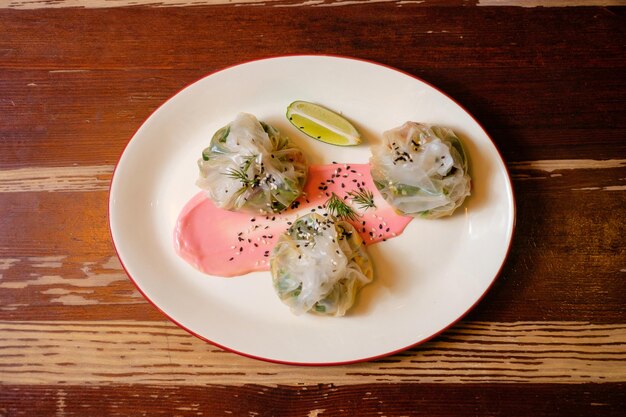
{"x":77,"y":78}
{"x":117,"y":352}
{"x":97,"y":4}
{"x":321,"y":400}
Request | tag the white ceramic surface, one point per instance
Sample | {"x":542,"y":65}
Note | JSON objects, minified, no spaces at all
{"x":425,"y":279}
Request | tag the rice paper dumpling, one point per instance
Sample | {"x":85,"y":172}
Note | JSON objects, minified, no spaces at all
{"x":250,"y":166}
{"x":319,"y":265}
{"x":421,"y":170}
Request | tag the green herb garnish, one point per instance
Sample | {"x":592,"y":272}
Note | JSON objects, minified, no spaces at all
{"x":241,"y":173}
{"x":364,"y":198}
{"x":338,"y":208}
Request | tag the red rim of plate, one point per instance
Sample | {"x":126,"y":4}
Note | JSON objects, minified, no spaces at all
{"x":369,"y":358}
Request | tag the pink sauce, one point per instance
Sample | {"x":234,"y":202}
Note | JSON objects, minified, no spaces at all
{"x":226,"y":243}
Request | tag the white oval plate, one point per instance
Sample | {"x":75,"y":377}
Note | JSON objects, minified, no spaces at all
{"x":425,"y":280}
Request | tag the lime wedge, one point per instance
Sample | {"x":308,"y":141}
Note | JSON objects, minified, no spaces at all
{"x":322,"y":124}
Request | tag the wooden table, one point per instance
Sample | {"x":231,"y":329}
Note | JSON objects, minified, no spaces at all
{"x":78,"y":77}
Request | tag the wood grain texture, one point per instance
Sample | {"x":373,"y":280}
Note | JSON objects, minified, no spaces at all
{"x":76,"y":338}
{"x":551,"y":3}
{"x":71,"y":179}
{"x":160,"y":353}
{"x":97,"y":4}
{"x":95,"y":91}
{"x":320,"y":400}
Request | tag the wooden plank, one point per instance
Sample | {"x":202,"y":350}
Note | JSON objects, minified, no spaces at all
{"x":74,"y":223}
{"x":551,"y":3}
{"x":530,"y":143}
{"x":80,"y":286}
{"x":95,"y":93}
{"x":120,"y":352}
{"x":550,"y":166}
{"x":60,"y":179}
{"x":451,"y":38}
{"x":401,"y":400}
{"x":97,"y":4}
{"x":98,"y":121}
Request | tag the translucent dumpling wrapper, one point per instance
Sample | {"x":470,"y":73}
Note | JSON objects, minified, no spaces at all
{"x":421,"y":170}
{"x":319,"y":265}
{"x":250,"y":166}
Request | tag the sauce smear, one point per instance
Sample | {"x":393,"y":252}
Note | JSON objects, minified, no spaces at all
{"x":227,"y":243}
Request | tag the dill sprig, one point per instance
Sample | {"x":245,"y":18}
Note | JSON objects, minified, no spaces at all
{"x":338,"y":208}
{"x":241,"y":173}
{"x":363,"y":197}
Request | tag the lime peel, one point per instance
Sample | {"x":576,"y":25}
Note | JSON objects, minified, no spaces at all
{"x":352,"y":137}
{"x":322,"y":124}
